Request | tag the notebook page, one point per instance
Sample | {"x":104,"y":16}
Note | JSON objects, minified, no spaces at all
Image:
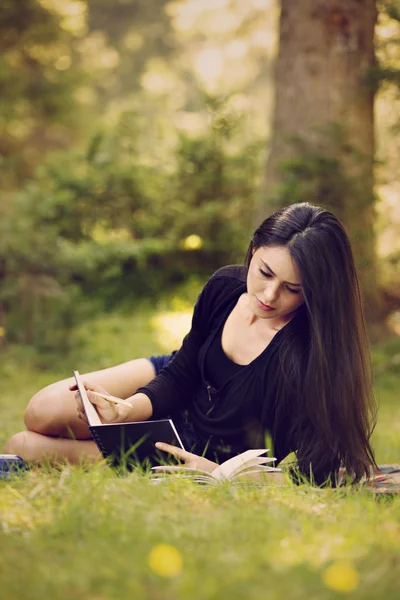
{"x":232,"y":465}
{"x":91,"y":413}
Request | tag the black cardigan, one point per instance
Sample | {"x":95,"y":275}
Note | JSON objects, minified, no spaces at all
{"x":245,"y":408}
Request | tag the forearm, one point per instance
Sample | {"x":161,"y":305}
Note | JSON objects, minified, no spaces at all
{"x":141,"y":410}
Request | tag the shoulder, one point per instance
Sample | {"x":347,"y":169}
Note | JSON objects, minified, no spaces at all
{"x":235,"y":273}
{"x":222,"y":289}
{"x":226,"y":281}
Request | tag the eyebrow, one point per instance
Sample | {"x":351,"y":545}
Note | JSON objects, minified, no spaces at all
{"x":272,"y":273}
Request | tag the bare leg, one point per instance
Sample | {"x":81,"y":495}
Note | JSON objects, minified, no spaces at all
{"x":40,"y":448}
{"x":51,"y":415}
{"x":52,"y":411}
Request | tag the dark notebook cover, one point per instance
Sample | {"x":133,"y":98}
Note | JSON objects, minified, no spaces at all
{"x":127,"y":444}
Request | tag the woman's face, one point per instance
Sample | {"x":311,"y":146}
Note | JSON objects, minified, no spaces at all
{"x":273,"y":283}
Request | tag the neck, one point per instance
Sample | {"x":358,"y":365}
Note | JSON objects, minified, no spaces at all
{"x":279,"y":322}
{"x":274,"y":323}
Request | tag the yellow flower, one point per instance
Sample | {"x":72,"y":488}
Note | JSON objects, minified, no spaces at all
{"x":2,"y":332}
{"x":165,"y":560}
{"x":192,"y":242}
{"x":341,"y":576}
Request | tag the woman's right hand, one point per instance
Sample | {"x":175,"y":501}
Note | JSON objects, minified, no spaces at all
{"x":108,"y":411}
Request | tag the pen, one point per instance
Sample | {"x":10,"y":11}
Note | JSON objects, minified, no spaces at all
{"x":111,"y":398}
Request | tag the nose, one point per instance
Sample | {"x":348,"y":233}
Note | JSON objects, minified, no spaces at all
{"x":271,"y":293}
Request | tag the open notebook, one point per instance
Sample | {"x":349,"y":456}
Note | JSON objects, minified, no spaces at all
{"x":128,"y":444}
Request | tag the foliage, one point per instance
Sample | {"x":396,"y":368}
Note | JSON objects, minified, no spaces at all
{"x":116,"y":226}
{"x":61,"y":63}
{"x":130,"y":152}
{"x":38,"y":109}
{"x":132,"y":33}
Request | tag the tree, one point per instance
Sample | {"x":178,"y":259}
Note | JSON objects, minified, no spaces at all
{"x":322,"y":147}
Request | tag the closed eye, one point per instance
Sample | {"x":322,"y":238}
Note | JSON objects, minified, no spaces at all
{"x":265,"y":273}
{"x":268,"y":276}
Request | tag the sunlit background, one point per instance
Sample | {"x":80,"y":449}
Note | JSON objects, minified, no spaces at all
{"x":133,"y":141}
{"x":133,"y":135}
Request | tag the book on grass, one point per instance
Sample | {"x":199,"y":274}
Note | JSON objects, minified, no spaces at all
{"x":128,"y":444}
{"x":11,"y":464}
{"x":246,"y":467}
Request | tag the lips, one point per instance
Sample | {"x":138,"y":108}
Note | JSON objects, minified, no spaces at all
{"x":263,"y":306}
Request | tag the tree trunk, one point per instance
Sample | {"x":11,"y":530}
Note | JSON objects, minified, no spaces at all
{"x":323,"y":100}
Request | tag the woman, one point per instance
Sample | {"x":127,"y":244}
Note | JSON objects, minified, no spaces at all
{"x":277,"y":346}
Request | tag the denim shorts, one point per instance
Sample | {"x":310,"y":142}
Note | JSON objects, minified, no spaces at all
{"x":160,"y":361}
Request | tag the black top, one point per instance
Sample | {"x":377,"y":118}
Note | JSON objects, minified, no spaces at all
{"x":244,"y":407}
{"x":218,"y":367}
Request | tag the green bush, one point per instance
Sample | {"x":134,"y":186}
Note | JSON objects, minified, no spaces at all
{"x":108,"y":225}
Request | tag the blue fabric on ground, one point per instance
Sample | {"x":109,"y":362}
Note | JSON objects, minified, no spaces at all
{"x":11,"y":464}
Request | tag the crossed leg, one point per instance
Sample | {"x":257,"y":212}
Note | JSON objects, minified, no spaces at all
{"x":54,"y":431}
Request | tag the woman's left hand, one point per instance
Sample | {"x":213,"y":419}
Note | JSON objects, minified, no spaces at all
{"x":192,"y":461}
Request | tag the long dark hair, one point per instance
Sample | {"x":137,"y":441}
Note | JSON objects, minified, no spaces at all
{"x":331,"y":365}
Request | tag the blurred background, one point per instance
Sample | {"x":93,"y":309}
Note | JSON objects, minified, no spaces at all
{"x":142,"y":141}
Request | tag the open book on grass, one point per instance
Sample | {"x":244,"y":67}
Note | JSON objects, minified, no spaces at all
{"x":248,"y":466}
{"x":128,"y":444}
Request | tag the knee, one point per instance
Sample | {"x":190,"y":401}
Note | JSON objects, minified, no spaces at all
{"x":37,"y":416}
{"x":18,"y":444}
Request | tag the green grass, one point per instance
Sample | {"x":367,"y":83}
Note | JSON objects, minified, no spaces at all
{"x":88,"y":534}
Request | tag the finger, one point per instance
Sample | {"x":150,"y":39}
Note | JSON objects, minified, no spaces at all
{"x":94,"y":387}
{"x":175,"y":451}
{"x":88,"y":386}
{"x":82,"y":415}
{"x":100,"y":402}
{"x":78,"y":401}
